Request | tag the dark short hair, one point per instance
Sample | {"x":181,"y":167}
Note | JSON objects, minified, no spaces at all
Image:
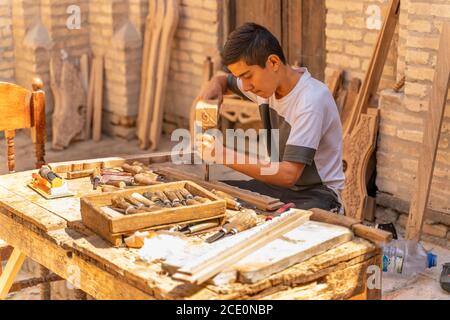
{"x":253,"y":44}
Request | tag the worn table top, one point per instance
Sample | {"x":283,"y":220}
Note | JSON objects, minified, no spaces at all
{"x":51,"y":232}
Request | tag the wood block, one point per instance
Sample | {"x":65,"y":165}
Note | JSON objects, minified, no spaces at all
{"x":98,"y":99}
{"x":206,"y":113}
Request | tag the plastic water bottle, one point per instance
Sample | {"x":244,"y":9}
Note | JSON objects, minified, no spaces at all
{"x":406,"y":258}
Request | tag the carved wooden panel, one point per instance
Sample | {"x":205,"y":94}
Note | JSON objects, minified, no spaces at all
{"x":358,"y":147}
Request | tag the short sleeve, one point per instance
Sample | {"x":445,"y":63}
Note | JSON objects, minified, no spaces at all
{"x":304,"y":138}
{"x":235,"y":85}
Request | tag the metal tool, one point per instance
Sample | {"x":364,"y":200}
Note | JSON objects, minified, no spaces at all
{"x":194,"y":228}
{"x":242,"y":221}
{"x":232,"y":203}
{"x":206,"y":115}
{"x":281,"y":210}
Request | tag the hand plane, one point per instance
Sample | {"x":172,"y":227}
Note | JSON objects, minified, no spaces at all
{"x":49,"y":184}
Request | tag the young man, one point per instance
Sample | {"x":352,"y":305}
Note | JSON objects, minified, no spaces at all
{"x":302,"y":109}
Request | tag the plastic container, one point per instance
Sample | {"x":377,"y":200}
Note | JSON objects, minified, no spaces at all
{"x":406,"y":258}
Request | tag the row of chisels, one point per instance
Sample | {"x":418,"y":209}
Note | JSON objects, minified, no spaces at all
{"x":154,"y":201}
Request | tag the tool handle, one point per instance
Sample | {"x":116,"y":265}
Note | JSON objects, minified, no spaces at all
{"x":144,"y":180}
{"x":242,"y":222}
{"x":132,"y":169}
{"x":142,"y":199}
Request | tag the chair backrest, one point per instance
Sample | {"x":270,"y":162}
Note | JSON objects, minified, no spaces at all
{"x":21,"y":108}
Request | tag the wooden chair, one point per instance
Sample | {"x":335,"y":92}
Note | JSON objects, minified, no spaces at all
{"x":19,"y":109}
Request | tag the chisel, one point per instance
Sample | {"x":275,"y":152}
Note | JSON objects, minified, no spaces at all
{"x":240,"y":222}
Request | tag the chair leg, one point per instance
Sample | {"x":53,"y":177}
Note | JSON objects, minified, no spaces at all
{"x":9,"y":135}
{"x":11,"y":270}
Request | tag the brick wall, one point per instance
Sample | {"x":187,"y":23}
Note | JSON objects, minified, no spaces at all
{"x":349,"y":45}
{"x":402,"y":115}
{"x":349,"y":41}
{"x":6,"y":43}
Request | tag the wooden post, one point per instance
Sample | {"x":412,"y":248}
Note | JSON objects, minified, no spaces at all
{"x":98,"y":99}
{"x":376,"y":66}
{"x":38,"y":131}
{"x":438,"y":99}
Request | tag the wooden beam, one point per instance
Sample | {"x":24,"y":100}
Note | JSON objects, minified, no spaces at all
{"x":376,"y":65}
{"x":433,"y":124}
{"x":11,"y":270}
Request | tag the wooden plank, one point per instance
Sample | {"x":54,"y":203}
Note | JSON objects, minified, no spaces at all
{"x":13,"y":204}
{"x":200,"y":270}
{"x":145,"y":57}
{"x":98,"y":99}
{"x":376,"y":66}
{"x":334,"y":82}
{"x":310,"y":239}
{"x":292,"y":30}
{"x":11,"y":270}
{"x":348,"y":109}
{"x":149,"y":96}
{"x":313,"y":37}
{"x":433,"y":124}
{"x":167,"y":35}
{"x":90,"y":103}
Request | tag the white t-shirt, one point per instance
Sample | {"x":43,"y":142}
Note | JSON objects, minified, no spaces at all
{"x":310,"y":130}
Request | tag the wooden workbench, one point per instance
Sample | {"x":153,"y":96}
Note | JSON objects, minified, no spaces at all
{"x":51,"y":233}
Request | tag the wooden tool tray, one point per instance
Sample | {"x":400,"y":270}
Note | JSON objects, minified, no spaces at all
{"x":113,"y":228}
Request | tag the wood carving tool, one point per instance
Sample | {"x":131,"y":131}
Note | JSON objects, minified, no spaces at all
{"x":143,"y":199}
{"x":231,"y":202}
{"x":180,"y":196}
{"x":116,"y":184}
{"x":201,"y":199}
{"x":206,"y":115}
{"x":194,"y":228}
{"x":142,"y":179}
{"x":186,"y":194}
{"x":173,"y":198}
{"x":154,"y":198}
{"x":132,"y":169}
{"x":240,"y":222}
{"x":106,"y":188}
{"x":281,"y":210}
{"x":191,"y":202}
{"x":164,"y":198}
{"x":134,"y":202}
